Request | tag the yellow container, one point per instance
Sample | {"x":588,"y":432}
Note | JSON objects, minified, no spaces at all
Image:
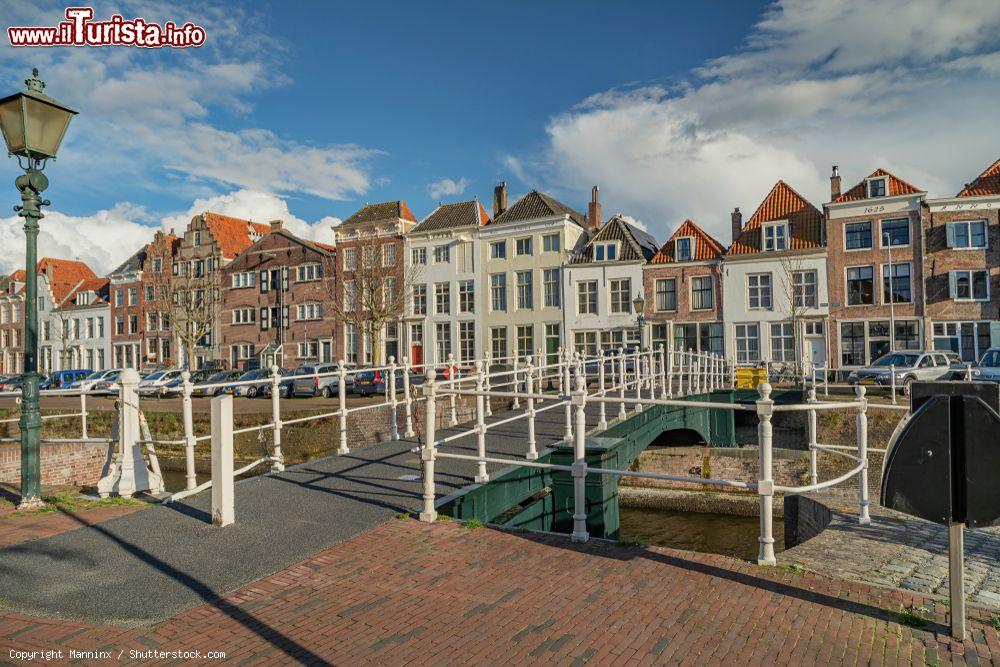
{"x":749,"y":378}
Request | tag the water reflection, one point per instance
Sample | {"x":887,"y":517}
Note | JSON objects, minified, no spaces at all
{"x":696,"y":531}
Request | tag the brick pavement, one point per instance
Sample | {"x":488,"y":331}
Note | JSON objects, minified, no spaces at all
{"x":442,"y":594}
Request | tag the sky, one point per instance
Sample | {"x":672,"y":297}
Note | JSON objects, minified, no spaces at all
{"x":306,"y":111}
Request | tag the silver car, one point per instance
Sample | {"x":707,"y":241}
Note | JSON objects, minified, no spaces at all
{"x":324,"y":382}
{"x":988,"y":367}
{"x":909,"y":367}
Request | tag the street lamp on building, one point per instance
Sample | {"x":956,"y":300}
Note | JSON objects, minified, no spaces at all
{"x":639,"y":305}
{"x":33,"y":126}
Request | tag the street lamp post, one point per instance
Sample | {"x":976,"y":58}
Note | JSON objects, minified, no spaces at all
{"x":33,"y":125}
{"x":639,"y":305}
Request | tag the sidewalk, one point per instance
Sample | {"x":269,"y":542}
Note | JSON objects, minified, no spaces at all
{"x":443,"y":594}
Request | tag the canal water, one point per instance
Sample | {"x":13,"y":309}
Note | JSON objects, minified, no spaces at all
{"x":696,"y":531}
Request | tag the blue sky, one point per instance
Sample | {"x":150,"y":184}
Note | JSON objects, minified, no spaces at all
{"x":306,"y":111}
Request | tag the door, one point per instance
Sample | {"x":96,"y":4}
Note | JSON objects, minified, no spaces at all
{"x":817,"y":351}
{"x":417,"y":357}
{"x":326,"y":351}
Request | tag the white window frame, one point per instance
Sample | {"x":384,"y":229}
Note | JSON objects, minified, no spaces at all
{"x":656,"y":295}
{"x":551,"y":243}
{"x":737,"y":338}
{"x":882,"y":273}
{"x":442,"y":254}
{"x":525,"y":292}
{"x":871,"y":234}
{"x":418,"y":256}
{"x":909,"y":232}
{"x":774,"y":228}
{"x":760,"y":294}
{"x":677,"y":248}
{"x":466,"y":296}
{"x":523,"y":247}
{"x":968,"y":231}
{"x":847,"y":288}
{"x":953,"y":285}
{"x":603,"y":250}
{"x":711,"y":283}
{"x":868,"y":187}
{"x":799,"y":299}
{"x":592,"y":297}
{"x":442,"y":298}
{"x":498,"y":250}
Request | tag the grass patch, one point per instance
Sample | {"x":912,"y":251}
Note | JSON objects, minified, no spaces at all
{"x":912,"y":616}
{"x":443,"y":517}
{"x":791,"y":567}
{"x":403,"y":516}
{"x":67,"y":501}
{"x":995,"y":622}
{"x":473,"y":524}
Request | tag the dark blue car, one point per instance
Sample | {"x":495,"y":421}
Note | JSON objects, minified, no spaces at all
{"x":63,"y":379}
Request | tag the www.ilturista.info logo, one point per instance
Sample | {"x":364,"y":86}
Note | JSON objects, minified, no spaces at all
{"x":80,"y":30}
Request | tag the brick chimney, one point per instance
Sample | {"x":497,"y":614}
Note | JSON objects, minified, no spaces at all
{"x":834,"y":183}
{"x":276,"y":225}
{"x":594,"y":209}
{"x":499,"y":199}
{"x":737,"y":223}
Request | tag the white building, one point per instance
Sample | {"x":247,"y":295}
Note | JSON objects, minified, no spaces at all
{"x":74,"y":317}
{"x":441,"y":316}
{"x":525,"y":249}
{"x":775,"y":299}
{"x":601,"y":282}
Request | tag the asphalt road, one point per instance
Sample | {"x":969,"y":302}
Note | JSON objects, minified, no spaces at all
{"x":240,"y":405}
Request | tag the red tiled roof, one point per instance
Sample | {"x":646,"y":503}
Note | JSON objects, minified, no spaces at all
{"x":324,"y":246}
{"x":987,"y":183}
{"x":65,"y":293}
{"x":232,"y":234}
{"x":897,"y":186}
{"x":705,"y":247}
{"x":18,"y":276}
{"x":782,"y":203}
{"x":65,"y":270}
{"x":389,"y":210}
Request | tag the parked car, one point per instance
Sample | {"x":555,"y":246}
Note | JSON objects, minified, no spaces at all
{"x":63,"y":379}
{"x":376,"y":381}
{"x":12,"y":383}
{"x":155,"y":383}
{"x":324,"y":381}
{"x":988,"y":367}
{"x":87,"y":383}
{"x":205,"y":388}
{"x":286,"y":386}
{"x":108,"y":385}
{"x":261,"y":377}
{"x":175,"y":387}
{"x":909,"y":368}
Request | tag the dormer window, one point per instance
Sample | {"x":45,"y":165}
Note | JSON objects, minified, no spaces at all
{"x":685,"y":246}
{"x":877,"y":187}
{"x":83,"y":299}
{"x":605,"y":252}
{"x":775,"y":237}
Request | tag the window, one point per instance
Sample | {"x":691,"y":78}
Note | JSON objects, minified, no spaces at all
{"x":133,"y":296}
{"x":442,"y":340}
{"x":710,"y":337}
{"x":498,"y":342}
{"x":308,"y":350}
{"x":878,"y":339}
{"x":466,"y":255}
{"x":605,"y":252}
{"x":553,"y":338}
{"x":701,"y":292}
{"x":858,"y":235}
{"x":498,"y":250}
{"x":350,"y":296}
{"x":804,"y":289}
{"x":551,"y":285}
{"x":243,"y":315}
{"x":759,"y":291}
{"x":197,"y":238}
{"x":666,"y":294}
{"x":133,"y":324}
{"x":119,"y":298}
{"x":775,"y":237}
{"x":150,"y":293}
{"x":814,"y":328}
{"x":906,"y":335}
{"x":895,"y":232}
{"x":684,"y":245}
{"x":389,"y":255}
{"x":747,"y":343}
{"x":157,"y":265}
{"x":442,"y":254}
{"x":244,"y":279}
{"x":621,"y":291}
{"x":351,"y":343}
{"x":120,"y":325}
{"x":350,"y":261}
{"x":498,"y":292}
{"x":860,"y":286}
{"x":442,"y":298}
{"x":524,"y":290}
{"x":466,"y":296}
{"x":467,"y":341}
{"x":309,"y":311}
{"x":305,"y":272}
{"x":90,"y":327}
{"x":525,"y":340}
{"x":966,"y":234}
{"x":586,"y":297}
{"x":876,"y":187}
{"x":550,"y":243}
{"x":420,"y":299}
{"x":418,"y":256}
{"x":151,"y":323}
{"x":897,"y":288}
{"x":970,"y":285}
{"x":522,"y":246}
{"x":782,"y":342}
{"x":368,"y":260}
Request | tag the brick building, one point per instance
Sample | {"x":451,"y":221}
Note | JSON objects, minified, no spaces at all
{"x":961,"y":267}
{"x":140,"y":306}
{"x":682,"y":285}
{"x":276,"y":302}
{"x":371,"y":274}
{"x":869,"y":298}
{"x":12,"y":323}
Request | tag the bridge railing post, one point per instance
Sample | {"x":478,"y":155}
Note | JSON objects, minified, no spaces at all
{"x":664,"y":373}
{"x":342,"y":406}
{"x":529,"y":380}
{"x":488,"y":384}
{"x":637,"y":367}
{"x":565,"y":384}
{"x":621,"y":383}
{"x":580,"y":463}
{"x":811,"y":427}
{"x":670,"y":373}
{"x":406,"y":398}
{"x":390,"y":393}
{"x":191,"y":477}
{"x":481,"y":476}
{"x":278,"y":460}
{"x":765,"y":480}
{"x":863,"y":516}
{"x":892,"y":382}
{"x":560,"y":359}
{"x":223,"y":493}
{"x":516,"y":405}
{"x":602,"y":420}
{"x":452,"y":373}
{"x":83,"y":414}
{"x":429,"y":451}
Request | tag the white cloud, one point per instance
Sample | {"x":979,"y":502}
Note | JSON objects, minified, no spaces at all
{"x":447,"y":187}
{"x":909,"y":85}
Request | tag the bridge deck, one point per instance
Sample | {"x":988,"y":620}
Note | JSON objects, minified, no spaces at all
{"x":154,"y":563}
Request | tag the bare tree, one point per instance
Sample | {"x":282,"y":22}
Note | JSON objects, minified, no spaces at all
{"x":796,"y":301}
{"x":65,"y":318}
{"x":193,"y":306}
{"x":373,"y":286}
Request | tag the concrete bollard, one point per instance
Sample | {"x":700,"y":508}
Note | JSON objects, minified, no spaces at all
{"x":278,"y":464}
{"x":765,"y":480}
{"x":223,"y":491}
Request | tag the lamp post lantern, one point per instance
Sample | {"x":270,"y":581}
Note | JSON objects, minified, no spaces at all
{"x":639,"y":305}
{"x":33,"y":125}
